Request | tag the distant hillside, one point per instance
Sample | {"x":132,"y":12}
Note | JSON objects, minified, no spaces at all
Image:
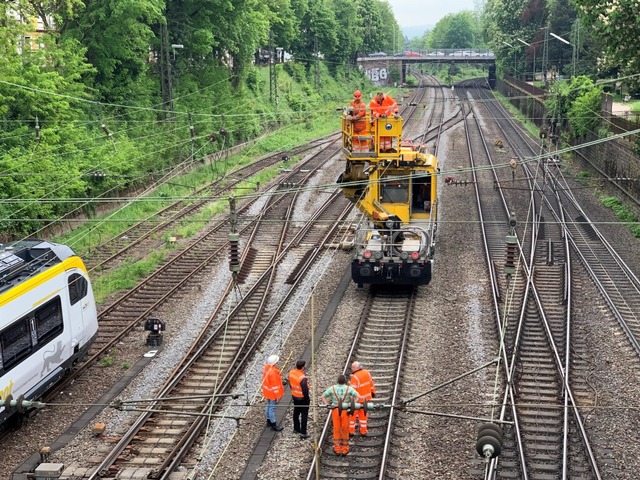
{"x":418,"y":31}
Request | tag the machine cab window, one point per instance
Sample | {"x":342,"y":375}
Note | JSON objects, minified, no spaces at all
{"x":394,"y":189}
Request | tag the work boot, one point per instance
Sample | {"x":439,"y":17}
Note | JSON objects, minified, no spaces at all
{"x":304,"y":435}
{"x":275,"y":427}
{"x":269,"y":423}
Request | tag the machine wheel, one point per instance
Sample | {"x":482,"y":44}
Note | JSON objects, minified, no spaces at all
{"x":488,"y":440}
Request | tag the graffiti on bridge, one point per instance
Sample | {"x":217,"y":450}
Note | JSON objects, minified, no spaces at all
{"x":376,"y":74}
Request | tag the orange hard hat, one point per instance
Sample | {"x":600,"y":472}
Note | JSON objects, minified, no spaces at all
{"x":357,"y":94}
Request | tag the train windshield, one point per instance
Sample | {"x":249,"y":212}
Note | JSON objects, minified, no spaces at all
{"x":394,"y":189}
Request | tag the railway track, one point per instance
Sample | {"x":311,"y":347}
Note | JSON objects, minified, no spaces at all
{"x":548,"y":429}
{"x":132,"y":310}
{"x":161,"y":438}
{"x":380,"y":344}
{"x":536,"y":305}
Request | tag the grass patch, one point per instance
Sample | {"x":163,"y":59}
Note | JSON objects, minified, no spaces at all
{"x":623,"y":213}
{"x":530,"y":127}
{"x":125,"y":277}
{"x":107,"y":361}
{"x":583,"y":178}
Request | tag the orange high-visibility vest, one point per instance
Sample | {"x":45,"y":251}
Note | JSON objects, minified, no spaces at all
{"x":295,"y":379}
{"x":362,"y":382}
{"x":387,"y":107}
{"x":359,"y":109}
{"x":272,"y":388}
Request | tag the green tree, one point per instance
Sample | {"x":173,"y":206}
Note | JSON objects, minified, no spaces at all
{"x":318,"y":30}
{"x":117,"y":35}
{"x":370,"y":11}
{"x":583,"y":114}
{"x":562,"y":17}
{"x":456,"y":30}
{"x":614,"y":24}
{"x":502,"y":28}
{"x":349,"y":32}
{"x":283,"y":22}
{"x":39,"y":89}
{"x":55,"y":15}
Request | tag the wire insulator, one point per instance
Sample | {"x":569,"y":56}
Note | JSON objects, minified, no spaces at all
{"x":234,"y":252}
{"x":37,"y":129}
{"x":511,"y":256}
{"x":105,"y":130}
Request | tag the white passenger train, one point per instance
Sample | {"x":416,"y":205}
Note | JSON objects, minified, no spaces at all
{"x":48,"y":319}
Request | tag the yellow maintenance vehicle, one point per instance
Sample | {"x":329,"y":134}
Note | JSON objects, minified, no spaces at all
{"x":394,"y":184}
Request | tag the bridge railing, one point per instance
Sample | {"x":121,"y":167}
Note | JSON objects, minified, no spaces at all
{"x":435,"y":53}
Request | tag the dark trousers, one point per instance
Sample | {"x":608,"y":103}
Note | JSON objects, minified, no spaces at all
{"x":300,"y":414}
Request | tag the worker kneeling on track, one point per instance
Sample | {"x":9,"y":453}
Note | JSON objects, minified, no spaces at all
{"x":335,"y":395}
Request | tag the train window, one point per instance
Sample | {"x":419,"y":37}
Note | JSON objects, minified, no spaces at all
{"x":15,"y":343}
{"x":49,"y":320}
{"x":78,"y":288}
{"x":394,"y":190}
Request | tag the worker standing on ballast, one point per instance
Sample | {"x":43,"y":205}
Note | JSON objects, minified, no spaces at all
{"x":340,"y":394}
{"x":272,"y":390}
{"x":383,"y":106}
{"x":362,"y":383}
{"x":299,"y":385}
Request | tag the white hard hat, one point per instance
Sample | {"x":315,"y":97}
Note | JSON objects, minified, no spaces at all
{"x":273,"y":359}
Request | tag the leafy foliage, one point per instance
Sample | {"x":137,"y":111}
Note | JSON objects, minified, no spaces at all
{"x":454,"y":31}
{"x":614,"y":23}
{"x":583,"y":112}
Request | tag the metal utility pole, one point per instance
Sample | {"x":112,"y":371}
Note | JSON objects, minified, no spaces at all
{"x":575,"y":43}
{"x":545,"y":55}
{"x":166,"y":86}
{"x":273,"y":73}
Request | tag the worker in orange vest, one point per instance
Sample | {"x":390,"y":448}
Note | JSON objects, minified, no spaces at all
{"x":300,"y":393}
{"x":362,"y":383}
{"x":341,"y":393}
{"x":383,"y":106}
{"x":272,"y":390}
{"x":357,"y":113}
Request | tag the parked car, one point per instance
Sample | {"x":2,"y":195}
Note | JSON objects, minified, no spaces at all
{"x":378,"y":54}
{"x":435,"y":54}
{"x":463,"y":53}
{"x":412,"y":54}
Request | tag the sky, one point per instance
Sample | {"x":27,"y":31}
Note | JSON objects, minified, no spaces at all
{"x":413,"y":13}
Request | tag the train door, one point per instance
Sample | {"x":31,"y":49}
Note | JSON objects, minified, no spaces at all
{"x":420,"y":194}
{"x":78,"y":288}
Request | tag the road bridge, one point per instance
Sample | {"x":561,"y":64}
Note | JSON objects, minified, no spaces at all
{"x":377,"y":66}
